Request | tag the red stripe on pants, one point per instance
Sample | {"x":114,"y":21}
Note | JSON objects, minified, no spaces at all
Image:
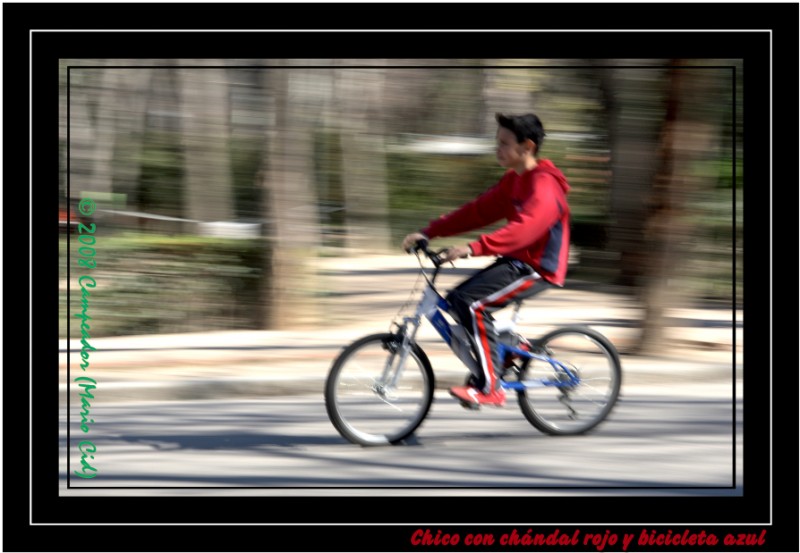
{"x":478,"y":315}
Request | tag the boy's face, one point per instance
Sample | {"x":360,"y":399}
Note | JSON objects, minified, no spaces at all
{"x":510,"y":153}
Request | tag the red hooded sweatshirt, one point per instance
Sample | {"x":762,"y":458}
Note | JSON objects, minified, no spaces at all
{"x":535,"y":206}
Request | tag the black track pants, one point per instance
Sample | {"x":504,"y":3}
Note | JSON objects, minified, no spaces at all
{"x":488,"y":290}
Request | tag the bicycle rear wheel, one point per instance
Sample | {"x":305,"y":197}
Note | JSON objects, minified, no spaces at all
{"x":557,"y":405}
{"x":365,"y":408}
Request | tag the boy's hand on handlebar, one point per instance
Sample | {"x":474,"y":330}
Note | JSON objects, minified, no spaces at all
{"x":417,"y":240}
{"x":410,"y":241}
{"x":456,"y":252}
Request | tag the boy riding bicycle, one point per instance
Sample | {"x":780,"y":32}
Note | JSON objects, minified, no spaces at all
{"x":532,"y":248}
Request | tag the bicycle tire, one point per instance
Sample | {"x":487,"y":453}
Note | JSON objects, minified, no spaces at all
{"x":570,"y":410}
{"x":358,"y":406}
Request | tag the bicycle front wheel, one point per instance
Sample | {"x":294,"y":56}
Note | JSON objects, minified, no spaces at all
{"x":572,"y":401}
{"x":364,"y":400}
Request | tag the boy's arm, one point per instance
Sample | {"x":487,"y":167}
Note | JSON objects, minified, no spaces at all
{"x":483,"y":210}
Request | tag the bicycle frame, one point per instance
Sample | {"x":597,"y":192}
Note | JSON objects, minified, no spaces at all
{"x":386,"y":408}
{"x":432,"y":306}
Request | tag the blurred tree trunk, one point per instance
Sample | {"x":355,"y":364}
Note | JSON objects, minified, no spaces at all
{"x":634,"y":108}
{"x":208,"y":192}
{"x":85,"y":85}
{"x":108,"y":112}
{"x":105,"y":124}
{"x":288,"y":182}
{"x":130,"y":117}
{"x":690,"y":135}
{"x":361,"y":121}
{"x":659,"y":232}
{"x":660,"y":124}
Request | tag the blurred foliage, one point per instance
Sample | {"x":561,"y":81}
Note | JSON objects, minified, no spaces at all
{"x":425,"y":186}
{"x":161,"y":177}
{"x":160,"y":282}
{"x":328,"y":181}
{"x":246,"y":154}
{"x":62,"y":175}
{"x":148,"y":284}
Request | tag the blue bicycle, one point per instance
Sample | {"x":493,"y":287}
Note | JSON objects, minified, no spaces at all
{"x":380,"y":388}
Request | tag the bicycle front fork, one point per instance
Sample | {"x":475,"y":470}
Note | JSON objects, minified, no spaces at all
{"x":396,"y":362}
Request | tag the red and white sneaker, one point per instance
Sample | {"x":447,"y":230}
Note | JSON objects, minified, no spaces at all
{"x":474,"y":398}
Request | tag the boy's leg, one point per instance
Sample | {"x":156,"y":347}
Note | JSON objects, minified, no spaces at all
{"x":486,"y":291}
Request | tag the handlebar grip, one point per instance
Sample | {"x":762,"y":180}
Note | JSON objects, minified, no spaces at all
{"x":420,"y":245}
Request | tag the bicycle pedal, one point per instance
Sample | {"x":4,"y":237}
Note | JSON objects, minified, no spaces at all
{"x":469,"y":405}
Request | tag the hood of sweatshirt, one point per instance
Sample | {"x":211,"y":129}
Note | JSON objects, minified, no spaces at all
{"x":547,"y":166}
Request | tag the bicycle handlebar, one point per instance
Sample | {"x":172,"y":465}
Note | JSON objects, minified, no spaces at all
{"x":435,"y":257}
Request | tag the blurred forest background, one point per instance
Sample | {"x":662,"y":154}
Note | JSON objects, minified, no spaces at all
{"x":220,"y":183}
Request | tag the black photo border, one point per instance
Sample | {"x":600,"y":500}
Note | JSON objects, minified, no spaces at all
{"x":36,"y":36}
